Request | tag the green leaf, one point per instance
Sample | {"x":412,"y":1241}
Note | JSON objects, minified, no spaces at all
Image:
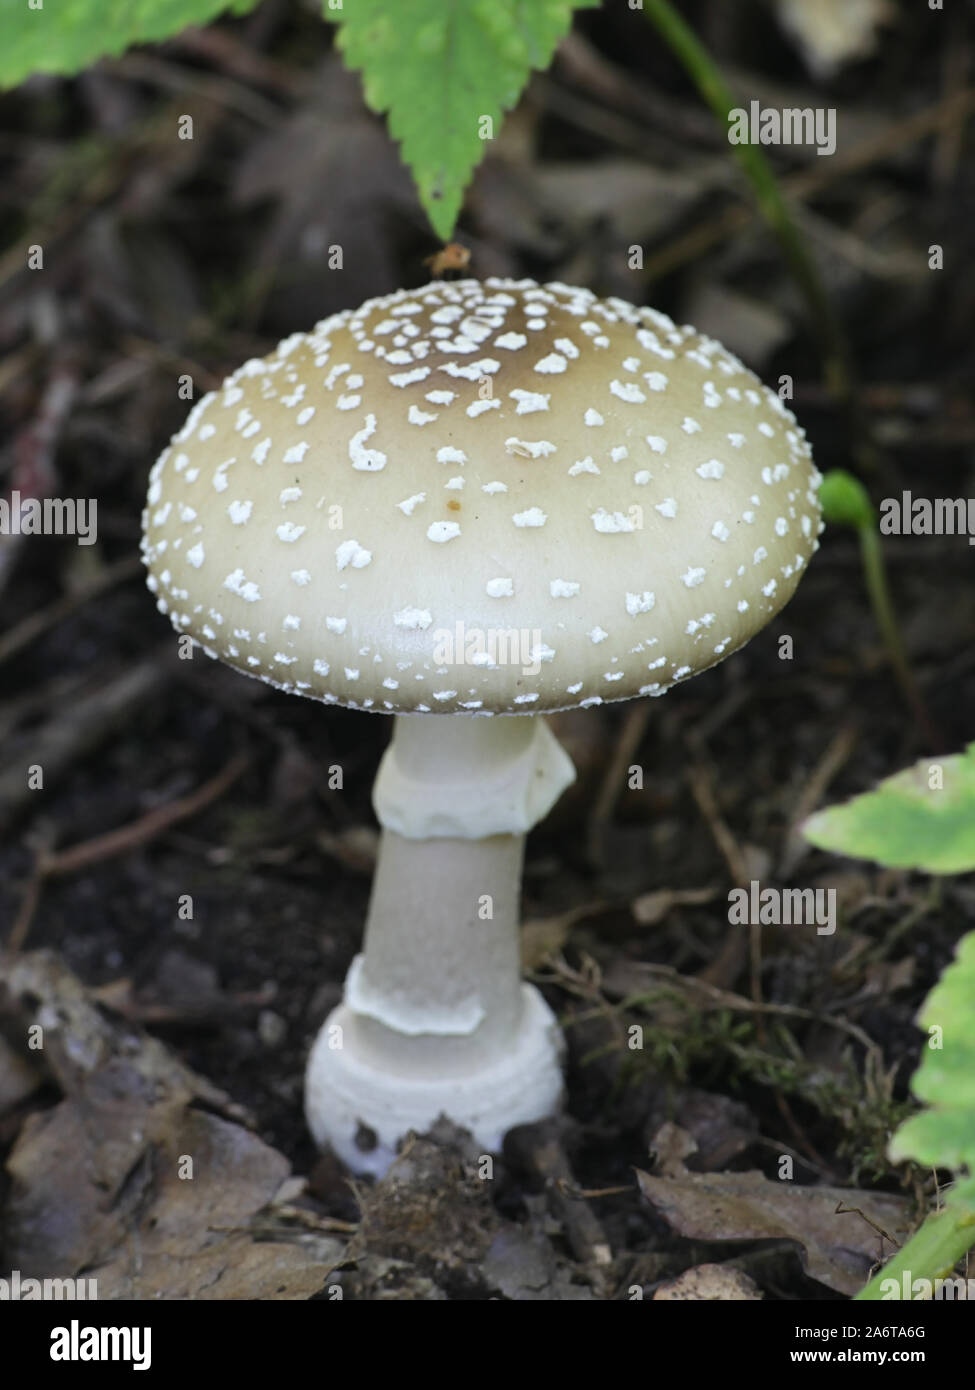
{"x":908,"y":823}
{"x":439,"y":68}
{"x":944,"y":1135}
{"x":66,"y":35}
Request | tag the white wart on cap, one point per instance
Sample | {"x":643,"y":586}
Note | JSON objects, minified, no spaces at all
{"x":482,"y":496}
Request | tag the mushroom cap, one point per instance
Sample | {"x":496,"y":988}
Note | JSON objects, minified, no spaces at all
{"x":482,"y":496}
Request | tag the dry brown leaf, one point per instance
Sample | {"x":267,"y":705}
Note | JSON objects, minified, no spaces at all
{"x":194,"y":1239}
{"x":837,"y":1246}
{"x":721,"y":1128}
{"x":18,"y":1079}
{"x":125,"y":1179}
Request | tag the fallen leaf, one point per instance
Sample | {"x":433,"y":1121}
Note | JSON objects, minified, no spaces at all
{"x":838,"y":1247}
{"x":194,"y":1239}
{"x":126,"y":1179}
{"x":721,"y":1128}
{"x":18,"y":1079}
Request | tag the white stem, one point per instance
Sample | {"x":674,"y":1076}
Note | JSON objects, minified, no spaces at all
{"x":440,"y":961}
{"x":435,"y":1017}
{"x":469,"y":776}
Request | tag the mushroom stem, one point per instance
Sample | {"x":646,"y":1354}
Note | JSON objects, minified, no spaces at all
{"x":435,"y":1018}
{"x":440,"y":959}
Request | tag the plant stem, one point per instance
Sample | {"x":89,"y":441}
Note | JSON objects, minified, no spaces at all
{"x":875,"y":577}
{"x":710,"y":83}
{"x":931,"y":1253}
{"x":846,"y":502}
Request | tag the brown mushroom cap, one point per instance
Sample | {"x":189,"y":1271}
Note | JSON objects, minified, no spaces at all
{"x":482,"y":496}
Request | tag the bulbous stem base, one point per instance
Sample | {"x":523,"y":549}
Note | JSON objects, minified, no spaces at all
{"x":435,"y":1018}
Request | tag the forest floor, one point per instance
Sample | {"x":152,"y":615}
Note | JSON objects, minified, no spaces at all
{"x":781,"y":1053}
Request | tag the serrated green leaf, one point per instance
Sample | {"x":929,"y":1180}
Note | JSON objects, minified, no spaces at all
{"x":439,"y":68}
{"x":944,"y":1135}
{"x":924,"y":818}
{"x":908,"y":821}
{"x":66,"y":35}
{"x":938,"y":1139}
{"x":951,"y":1080}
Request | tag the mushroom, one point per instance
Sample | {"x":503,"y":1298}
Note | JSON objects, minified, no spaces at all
{"x":468,"y":500}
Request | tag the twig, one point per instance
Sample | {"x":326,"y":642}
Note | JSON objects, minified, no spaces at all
{"x":840,"y":748}
{"x":25,"y":913}
{"x":947,"y":150}
{"x":62,"y":740}
{"x":588,"y":1194}
{"x":801,"y":1138}
{"x":37,"y":623}
{"x":146,"y":828}
{"x":34,"y":474}
{"x":778,"y":1146}
{"x":192,"y":83}
{"x":731,"y":957}
{"x":245,"y":65}
{"x":943,"y":115}
{"x":120,"y":841}
{"x":544,"y":1155}
{"x":703,"y":793}
{"x":805,"y":184}
{"x":159,"y":356}
{"x":627,"y":742}
{"x":709,"y":81}
{"x":727,"y":999}
{"x":588,"y":70}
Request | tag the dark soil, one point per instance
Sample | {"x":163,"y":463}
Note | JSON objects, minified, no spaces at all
{"x":162,"y":258}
